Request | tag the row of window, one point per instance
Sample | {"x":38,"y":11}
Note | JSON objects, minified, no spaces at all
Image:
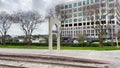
{"x":85,"y":24}
{"x":87,"y":32}
{"x":87,"y":12}
{"x":81,"y":3}
{"x":66,"y":33}
{"x":87,"y":19}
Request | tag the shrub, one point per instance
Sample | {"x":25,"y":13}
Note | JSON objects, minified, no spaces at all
{"x":22,"y":44}
{"x":81,"y":44}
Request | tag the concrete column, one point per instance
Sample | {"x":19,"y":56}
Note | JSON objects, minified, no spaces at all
{"x":53,"y":21}
{"x":50,"y":36}
{"x":58,"y":38}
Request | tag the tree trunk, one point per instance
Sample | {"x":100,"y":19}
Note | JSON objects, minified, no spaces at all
{"x":100,"y":41}
{"x":4,"y":40}
{"x":112,"y":43}
{"x":28,"y":40}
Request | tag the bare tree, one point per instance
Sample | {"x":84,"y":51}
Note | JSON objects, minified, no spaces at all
{"x":57,"y":13}
{"x":28,"y":22}
{"x":5,"y":23}
{"x":97,"y":19}
{"x":81,"y":37}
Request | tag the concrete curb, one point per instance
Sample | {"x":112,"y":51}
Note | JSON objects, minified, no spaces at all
{"x":53,"y":57}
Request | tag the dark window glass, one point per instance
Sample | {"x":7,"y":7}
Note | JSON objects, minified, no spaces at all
{"x":62,"y":25}
{"x":88,"y":23}
{"x":66,"y":25}
{"x":96,"y":0}
{"x":80,"y":24}
{"x":79,"y":3}
{"x":66,"y":6}
{"x":79,"y":9}
{"x":75,"y":4}
{"x":75,"y":20}
{"x":75,"y":24}
{"x":70,"y":5}
{"x":70,"y":24}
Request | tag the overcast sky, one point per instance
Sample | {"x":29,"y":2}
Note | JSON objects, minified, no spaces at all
{"x":42,"y":6}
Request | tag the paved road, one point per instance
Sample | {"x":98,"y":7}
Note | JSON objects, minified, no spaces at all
{"x":112,"y":56}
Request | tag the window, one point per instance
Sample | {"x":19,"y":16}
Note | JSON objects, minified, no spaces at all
{"x":66,"y":6}
{"x":111,"y":5}
{"x":83,"y":2}
{"x":103,"y":10}
{"x":92,"y":18}
{"x":79,"y":14}
{"x":75,"y":4}
{"x":92,"y":23}
{"x":79,"y":9}
{"x":66,"y":25}
{"x":96,"y":0}
{"x":103,"y":17}
{"x":97,"y":11}
{"x":84,"y":19}
{"x":112,"y":17}
{"x":70,"y":15}
{"x":62,"y":7}
{"x":66,"y":11}
{"x":62,"y":21}
{"x":70,"y":20}
{"x":97,"y":17}
{"x":87,"y":1}
{"x":103,"y":22}
{"x":62,"y":25}
{"x":70,"y":11}
{"x":80,"y":19}
{"x":88,"y":18}
{"x":103,"y":5}
{"x":111,"y":0}
{"x":75,"y":9}
{"x":70,"y":24}
{"x":75,"y":24}
{"x":66,"y":21}
{"x":88,"y":23}
{"x":75,"y":20}
{"x":92,"y":1}
{"x":79,"y":3}
{"x":84,"y":23}
{"x":102,"y":0}
{"x":62,"y":12}
{"x":70,"y":5}
{"x":75,"y":15}
{"x":80,"y":24}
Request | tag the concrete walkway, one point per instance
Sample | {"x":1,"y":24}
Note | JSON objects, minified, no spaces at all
{"x":111,"y":56}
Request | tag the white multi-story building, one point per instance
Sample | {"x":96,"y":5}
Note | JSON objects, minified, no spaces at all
{"x":84,"y":14}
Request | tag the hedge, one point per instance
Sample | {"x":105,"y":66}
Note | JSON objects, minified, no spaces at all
{"x":64,"y":44}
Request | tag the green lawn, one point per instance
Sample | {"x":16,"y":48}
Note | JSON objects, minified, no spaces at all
{"x":62,"y":48}
{"x":90,"y":48}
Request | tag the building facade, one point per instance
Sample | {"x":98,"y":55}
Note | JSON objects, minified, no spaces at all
{"x":82,"y":16}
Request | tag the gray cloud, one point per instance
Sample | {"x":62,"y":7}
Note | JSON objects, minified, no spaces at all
{"x":42,"y":6}
{"x":39,"y":5}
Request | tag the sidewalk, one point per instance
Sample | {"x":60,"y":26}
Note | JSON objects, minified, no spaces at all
{"x":111,"y":56}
